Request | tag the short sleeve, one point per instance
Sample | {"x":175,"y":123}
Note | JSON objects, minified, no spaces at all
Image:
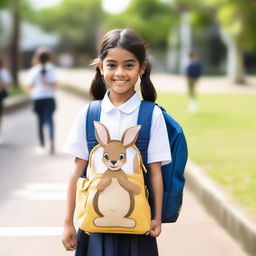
{"x":5,"y":76}
{"x":31,"y":76}
{"x":159,"y":148}
{"x":76,"y":144}
{"x":52,"y":75}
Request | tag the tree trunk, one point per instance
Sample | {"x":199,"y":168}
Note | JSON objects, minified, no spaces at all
{"x":186,"y":40}
{"x":235,"y":61}
{"x":14,"y":45}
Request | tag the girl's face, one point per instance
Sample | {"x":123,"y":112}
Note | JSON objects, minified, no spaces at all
{"x":121,"y":70}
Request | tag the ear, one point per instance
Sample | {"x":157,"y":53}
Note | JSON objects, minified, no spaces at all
{"x":130,"y":136}
{"x":100,"y":66}
{"x":143,"y":67}
{"x":101,"y":133}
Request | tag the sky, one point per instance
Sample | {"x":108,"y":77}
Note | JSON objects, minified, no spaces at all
{"x":115,"y":6}
{"x":111,"y":6}
{"x":39,"y":4}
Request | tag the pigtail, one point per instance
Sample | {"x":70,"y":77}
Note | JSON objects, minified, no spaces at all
{"x":98,"y":88}
{"x":43,"y":70}
{"x":147,"y":88}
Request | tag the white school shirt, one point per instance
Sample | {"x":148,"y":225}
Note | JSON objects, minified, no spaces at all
{"x":39,"y":90}
{"x":117,"y":120}
{"x":5,"y":76}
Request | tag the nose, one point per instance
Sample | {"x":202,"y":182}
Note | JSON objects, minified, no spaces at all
{"x":113,"y":162}
{"x":120,"y":71}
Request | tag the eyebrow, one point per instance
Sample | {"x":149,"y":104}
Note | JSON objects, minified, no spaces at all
{"x":131,"y":60}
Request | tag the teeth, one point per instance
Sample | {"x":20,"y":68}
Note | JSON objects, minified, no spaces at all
{"x":120,"y":81}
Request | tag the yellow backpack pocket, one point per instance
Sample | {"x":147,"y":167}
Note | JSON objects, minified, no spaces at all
{"x":113,"y":201}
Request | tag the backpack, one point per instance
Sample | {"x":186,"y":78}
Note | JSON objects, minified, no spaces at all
{"x":110,"y":200}
{"x":172,"y":173}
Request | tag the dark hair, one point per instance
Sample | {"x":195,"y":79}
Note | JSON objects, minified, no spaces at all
{"x":126,"y":39}
{"x":43,"y":58}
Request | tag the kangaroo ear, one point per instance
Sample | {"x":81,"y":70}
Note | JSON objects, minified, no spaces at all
{"x":130,"y":136}
{"x":101,"y":133}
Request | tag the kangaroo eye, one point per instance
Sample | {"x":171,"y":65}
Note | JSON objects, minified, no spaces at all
{"x":121,"y":156}
{"x":105,"y":155}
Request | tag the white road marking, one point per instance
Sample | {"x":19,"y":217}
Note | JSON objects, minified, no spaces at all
{"x":43,"y":191}
{"x":30,"y":231}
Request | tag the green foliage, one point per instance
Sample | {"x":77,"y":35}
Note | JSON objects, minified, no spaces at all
{"x":221,"y":139}
{"x":236,"y":17}
{"x":3,"y":3}
{"x":152,"y":19}
{"x":200,"y":19}
{"x":77,"y":22}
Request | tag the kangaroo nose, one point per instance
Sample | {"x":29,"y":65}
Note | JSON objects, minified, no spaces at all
{"x":113,"y":162}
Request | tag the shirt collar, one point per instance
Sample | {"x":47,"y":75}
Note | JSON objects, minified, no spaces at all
{"x":128,"y":107}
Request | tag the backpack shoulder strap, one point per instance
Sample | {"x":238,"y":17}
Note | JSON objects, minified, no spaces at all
{"x":144,"y":119}
{"x":93,"y":114}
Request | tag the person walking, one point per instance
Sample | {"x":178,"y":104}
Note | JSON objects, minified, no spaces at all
{"x":5,"y":81}
{"x":42,"y":86}
{"x":121,"y":62}
{"x":193,"y":73}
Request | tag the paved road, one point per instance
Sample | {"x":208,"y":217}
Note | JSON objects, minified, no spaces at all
{"x":32,"y":197}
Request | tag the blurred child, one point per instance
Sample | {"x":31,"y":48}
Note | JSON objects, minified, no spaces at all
{"x":193,"y":73}
{"x":5,"y":80}
{"x":42,"y":86}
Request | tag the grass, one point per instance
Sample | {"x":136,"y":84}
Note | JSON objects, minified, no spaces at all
{"x":221,"y":139}
{"x":15,"y":91}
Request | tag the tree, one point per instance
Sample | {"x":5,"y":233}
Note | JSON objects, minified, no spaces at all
{"x":76,"y":21}
{"x":237,"y":21}
{"x":15,"y":39}
{"x":152,"y":19}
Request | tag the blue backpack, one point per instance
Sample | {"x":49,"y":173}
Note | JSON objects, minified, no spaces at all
{"x":173,"y":173}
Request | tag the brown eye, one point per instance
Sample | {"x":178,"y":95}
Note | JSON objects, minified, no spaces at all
{"x":105,"y":155}
{"x":121,"y":156}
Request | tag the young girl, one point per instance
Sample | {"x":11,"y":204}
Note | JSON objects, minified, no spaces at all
{"x":42,"y":85}
{"x":122,"y":61}
{"x":5,"y":80}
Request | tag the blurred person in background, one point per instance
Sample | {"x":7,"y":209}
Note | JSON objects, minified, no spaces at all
{"x":5,"y":80}
{"x":42,"y":86}
{"x":193,"y":73}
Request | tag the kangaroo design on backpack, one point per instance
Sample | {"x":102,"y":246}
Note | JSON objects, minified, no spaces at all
{"x":114,"y":199}
{"x":109,"y":199}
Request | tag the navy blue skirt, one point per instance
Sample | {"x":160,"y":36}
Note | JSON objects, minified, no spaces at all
{"x":115,"y":245}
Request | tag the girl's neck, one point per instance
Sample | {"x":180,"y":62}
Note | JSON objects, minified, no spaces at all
{"x":118,"y":99}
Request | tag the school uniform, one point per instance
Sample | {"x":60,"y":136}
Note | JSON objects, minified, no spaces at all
{"x":43,"y":97}
{"x":117,"y":120}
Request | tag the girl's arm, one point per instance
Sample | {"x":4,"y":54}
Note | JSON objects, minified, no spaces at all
{"x":69,"y":232}
{"x":157,"y":185}
{"x":3,"y":84}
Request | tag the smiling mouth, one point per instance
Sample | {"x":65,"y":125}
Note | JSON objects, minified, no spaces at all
{"x":120,"y":81}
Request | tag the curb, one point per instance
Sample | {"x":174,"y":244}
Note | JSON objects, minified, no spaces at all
{"x":15,"y":102}
{"x":222,"y":207}
{"x":75,"y":91}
